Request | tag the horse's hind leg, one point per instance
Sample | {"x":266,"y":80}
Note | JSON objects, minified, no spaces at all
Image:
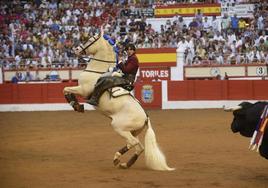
{"x":125,"y":149}
{"x":131,"y":142}
{"x":119,"y":153}
{"x":139,"y":149}
{"x":69,"y":93}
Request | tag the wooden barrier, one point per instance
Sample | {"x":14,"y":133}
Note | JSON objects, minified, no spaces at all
{"x":148,"y":93}
{"x":218,"y":90}
{"x":33,"y":93}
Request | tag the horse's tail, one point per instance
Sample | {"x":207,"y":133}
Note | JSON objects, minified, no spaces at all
{"x":154,"y":158}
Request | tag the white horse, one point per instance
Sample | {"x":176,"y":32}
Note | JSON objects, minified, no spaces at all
{"x":127,"y":115}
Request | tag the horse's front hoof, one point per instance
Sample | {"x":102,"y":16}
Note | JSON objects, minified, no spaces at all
{"x":79,"y":108}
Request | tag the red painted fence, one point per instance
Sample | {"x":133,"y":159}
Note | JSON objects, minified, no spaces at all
{"x":32,"y":93}
{"x":148,"y":93}
{"x":218,"y":90}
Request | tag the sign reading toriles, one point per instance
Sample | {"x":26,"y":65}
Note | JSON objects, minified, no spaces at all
{"x":155,"y":74}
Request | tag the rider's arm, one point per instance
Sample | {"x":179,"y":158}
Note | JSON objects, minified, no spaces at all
{"x":130,"y":66}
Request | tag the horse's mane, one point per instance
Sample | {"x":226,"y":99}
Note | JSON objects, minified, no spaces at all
{"x":113,"y":44}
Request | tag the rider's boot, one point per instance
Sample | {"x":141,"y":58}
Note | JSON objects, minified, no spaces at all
{"x":99,"y":89}
{"x":94,"y":99}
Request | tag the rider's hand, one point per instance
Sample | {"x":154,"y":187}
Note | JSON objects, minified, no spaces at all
{"x":117,"y":74}
{"x":121,"y":60}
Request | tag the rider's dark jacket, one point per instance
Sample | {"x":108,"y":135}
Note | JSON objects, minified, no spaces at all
{"x":130,"y":68}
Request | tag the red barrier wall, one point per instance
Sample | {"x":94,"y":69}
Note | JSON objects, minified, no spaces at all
{"x":148,"y":93}
{"x":33,"y":93}
{"x":218,"y":90}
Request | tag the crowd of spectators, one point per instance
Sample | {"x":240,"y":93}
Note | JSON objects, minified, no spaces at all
{"x":37,"y":34}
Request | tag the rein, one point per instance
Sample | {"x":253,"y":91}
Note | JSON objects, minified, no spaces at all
{"x":98,"y":72}
{"x":103,"y":60}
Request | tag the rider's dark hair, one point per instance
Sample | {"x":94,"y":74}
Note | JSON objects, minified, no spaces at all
{"x":130,"y":46}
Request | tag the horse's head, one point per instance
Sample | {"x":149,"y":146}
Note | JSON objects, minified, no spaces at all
{"x":99,"y":46}
{"x":89,"y":47}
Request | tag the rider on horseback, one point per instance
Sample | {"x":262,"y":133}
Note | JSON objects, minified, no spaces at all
{"x":129,"y":69}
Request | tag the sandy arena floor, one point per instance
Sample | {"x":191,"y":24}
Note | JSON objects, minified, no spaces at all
{"x":70,"y":150}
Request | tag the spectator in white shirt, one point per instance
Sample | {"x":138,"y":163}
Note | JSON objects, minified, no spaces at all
{"x":231,"y":37}
{"x":254,"y":55}
{"x":260,"y":23}
{"x":183,"y":44}
{"x":219,"y":58}
{"x":215,"y":24}
{"x":184,"y":47}
{"x":218,"y":36}
{"x":225,"y":24}
{"x":206,"y":24}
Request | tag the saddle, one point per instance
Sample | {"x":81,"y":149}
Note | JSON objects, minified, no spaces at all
{"x":116,"y":86}
{"x":108,"y":82}
{"x":118,"y":92}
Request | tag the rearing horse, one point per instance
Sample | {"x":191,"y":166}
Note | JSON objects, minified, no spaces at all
{"x":127,"y":115}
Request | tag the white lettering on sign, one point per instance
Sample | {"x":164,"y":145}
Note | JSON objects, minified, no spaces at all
{"x":155,"y":73}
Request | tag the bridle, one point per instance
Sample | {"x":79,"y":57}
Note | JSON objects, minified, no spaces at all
{"x":95,"y":39}
{"x":88,"y":44}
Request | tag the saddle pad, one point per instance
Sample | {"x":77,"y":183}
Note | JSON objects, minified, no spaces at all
{"x":119,"y":91}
